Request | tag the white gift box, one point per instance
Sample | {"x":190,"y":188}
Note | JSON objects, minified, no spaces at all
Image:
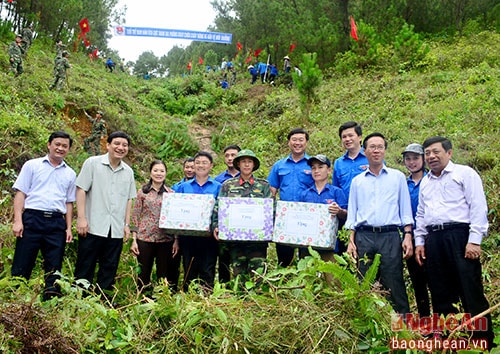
{"x":305,"y":224}
{"x":187,"y":214}
{"x":245,"y":219}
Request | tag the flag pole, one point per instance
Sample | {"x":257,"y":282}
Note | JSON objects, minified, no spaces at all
{"x":267,"y":66}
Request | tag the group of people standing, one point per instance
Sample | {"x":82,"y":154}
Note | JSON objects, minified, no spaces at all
{"x":434,"y":219}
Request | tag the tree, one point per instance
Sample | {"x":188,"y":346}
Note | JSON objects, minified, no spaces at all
{"x":308,"y":82}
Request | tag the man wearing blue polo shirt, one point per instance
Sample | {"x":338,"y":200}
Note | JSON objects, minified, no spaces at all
{"x":349,"y":165}
{"x":199,"y":254}
{"x":291,"y":176}
{"x":224,"y":257}
{"x":354,"y":161}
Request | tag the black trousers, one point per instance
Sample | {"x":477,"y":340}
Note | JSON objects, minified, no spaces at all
{"x":224,"y":268}
{"x":418,"y":276}
{"x":45,"y":232}
{"x":285,"y":254}
{"x":167,"y":267}
{"x":388,"y":244}
{"x":452,"y":277}
{"x":199,"y":257}
{"x":94,"y":249}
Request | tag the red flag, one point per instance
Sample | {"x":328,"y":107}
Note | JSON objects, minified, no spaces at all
{"x":190,"y":65}
{"x":257,"y":52}
{"x":95,"y":53}
{"x":10,"y":1}
{"x":354,"y":30}
{"x":200,"y":60}
{"x":292,"y":47}
{"x":239,"y":46}
{"x":248,"y":60}
{"x":86,"y":42}
{"x":84,"y":25}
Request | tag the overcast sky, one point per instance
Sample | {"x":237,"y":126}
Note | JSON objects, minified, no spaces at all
{"x":194,"y":15}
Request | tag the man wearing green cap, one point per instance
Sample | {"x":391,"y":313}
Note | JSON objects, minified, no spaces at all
{"x":92,"y":144}
{"x":245,"y":256}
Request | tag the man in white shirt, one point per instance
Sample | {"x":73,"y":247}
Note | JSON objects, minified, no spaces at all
{"x":451,"y":222}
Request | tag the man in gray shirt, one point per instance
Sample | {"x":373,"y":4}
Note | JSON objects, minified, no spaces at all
{"x":105,"y":189}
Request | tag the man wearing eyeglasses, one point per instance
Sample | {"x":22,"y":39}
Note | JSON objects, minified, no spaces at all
{"x":379,"y":206}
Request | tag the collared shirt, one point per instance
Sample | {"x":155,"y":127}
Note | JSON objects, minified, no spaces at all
{"x":345,"y":169}
{"x":456,"y":195}
{"x":414,"y":188}
{"x":379,"y":200}
{"x":224,"y":176}
{"x":237,"y":187}
{"x":175,"y":187}
{"x":146,"y":217}
{"x":107,"y":194}
{"x":46,"y":187}
{"x":211,"y":186}
{"x":290,"y":177}
{"x":328,"y":195}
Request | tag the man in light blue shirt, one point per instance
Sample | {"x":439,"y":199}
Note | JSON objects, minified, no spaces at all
{"x":379,"y":205}
{"x":291,"y":176}
{"x":43,"y":211}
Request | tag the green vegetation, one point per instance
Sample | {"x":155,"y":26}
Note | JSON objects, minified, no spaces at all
{"x":408,"y":91}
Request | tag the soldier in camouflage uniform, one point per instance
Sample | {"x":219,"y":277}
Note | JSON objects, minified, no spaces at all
{"x":92,"y":144}
{"x":62,"y":64}
{"x":15,"y":56}
{"x":246,"y":256}
{"x":27,"y":38}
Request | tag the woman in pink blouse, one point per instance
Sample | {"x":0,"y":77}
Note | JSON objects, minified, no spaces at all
{"x":150,"y":243}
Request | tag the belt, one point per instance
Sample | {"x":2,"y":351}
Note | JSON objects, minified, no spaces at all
{"x":446,"y":226}
{"x":378,"y":229}
{"x":45,"y":214}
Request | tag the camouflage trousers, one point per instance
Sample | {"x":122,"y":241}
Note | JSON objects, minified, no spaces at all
{"x":247,"y":257}
{"x":16,"y":67}
{"x":59,"y":82}
{"x":92,"y":144}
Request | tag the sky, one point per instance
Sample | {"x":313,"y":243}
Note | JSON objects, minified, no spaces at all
{"x":194,"y":15}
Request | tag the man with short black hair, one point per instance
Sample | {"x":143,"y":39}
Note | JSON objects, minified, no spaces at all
{"x":43,"y":211}
{"x":105,"y":189}
{"x":379,"y":205}
{"x":291,"y":176}
{"x":452,"y":219}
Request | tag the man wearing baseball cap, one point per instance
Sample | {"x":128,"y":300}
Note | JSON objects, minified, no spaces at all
{"x":324,"y":193}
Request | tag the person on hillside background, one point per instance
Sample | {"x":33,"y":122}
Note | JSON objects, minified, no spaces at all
{"x":413,"y":157}
{"x":105,"y":189}
{"x":188,"y":170}
{"x":452,"y":219}
{"x":224,"y":258}
{"x":262,"y":69}
{"x":43,"y":212}
{"x":92,"y":143}
{"x":150,"y":244}
{"x":323,"y":193}
{"x":27,"y":34}
{"x":60,"y":48}
{"x":291,"y":176}
{"x":273,"y":74}
{"x":349,"y":165}
{"x":60,"y":73}
{"x":287,"y":64}
{"x":253,"y":72}
{"x":110,"y":65}
{"x":379,"y":206}
{"x":199,"y":254}
{"x":245,"y":257}
{"x":16,"y":56}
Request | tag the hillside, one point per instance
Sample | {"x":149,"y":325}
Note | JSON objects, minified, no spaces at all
{"x":455,"y":94}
